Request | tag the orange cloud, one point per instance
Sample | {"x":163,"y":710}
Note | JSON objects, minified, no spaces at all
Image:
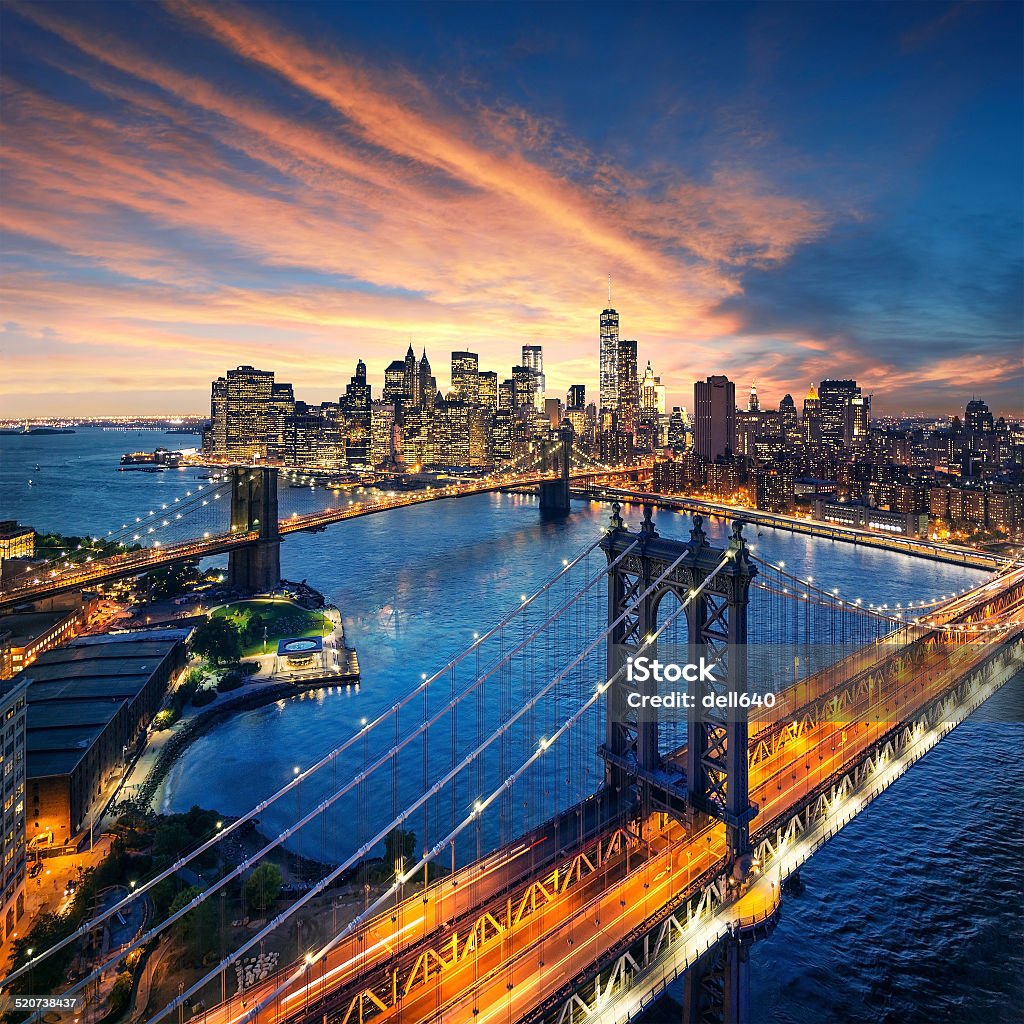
{"x":230,"y":230}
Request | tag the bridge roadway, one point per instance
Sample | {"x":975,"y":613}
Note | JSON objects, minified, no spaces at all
{"x":438,"y":956}
{"x":133,"y":563}
{"x":950,"y":553}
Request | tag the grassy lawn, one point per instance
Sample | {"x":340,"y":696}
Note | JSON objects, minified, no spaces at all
{"x":282,"y":619}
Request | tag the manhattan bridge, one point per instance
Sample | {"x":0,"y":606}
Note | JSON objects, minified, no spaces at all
{"x":578,"y":848}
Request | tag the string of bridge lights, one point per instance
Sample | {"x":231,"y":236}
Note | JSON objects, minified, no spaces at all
{"x":808,"y":584}
{"x":145,"y":522}
{"x":141,"y":531}
{"x":133,"y":533}
{"x":589,"y":462}
{"x":898,"y":615}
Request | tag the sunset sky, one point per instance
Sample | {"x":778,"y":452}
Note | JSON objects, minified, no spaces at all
{"x":780,"y":193}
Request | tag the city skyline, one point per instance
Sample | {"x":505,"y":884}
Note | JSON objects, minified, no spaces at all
{"x":194,"y":188}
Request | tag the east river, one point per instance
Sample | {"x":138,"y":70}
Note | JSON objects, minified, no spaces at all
{"x":911,"y":914}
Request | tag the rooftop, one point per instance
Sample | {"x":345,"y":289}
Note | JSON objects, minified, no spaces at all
{"x":10,"y":528}
{"x":74,"y":693}
{"x":26,"y":626}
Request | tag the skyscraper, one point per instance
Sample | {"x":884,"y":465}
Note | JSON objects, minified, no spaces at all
{"x":609,"y":358}
{"x":678,"y":428}
{"x":714,"y":402}
{"x":240,"y":407}
{"x":577,"y":397}
{"x":215,"y":439}
{"x":382,"y":434}
{"x":748,"y":429}
{"x":753,"y":403}
{"x":835,"y":396}
{"x":466,"y":377}
{"x":533,"y":357}
{"x":356,"y":406}
{"x":357,"y":401}
{"x":394,"y":382}
{"x":858,"y":421}
{"x":553,"y":412}
{"x":426,"y":385}
{"x":480,"y":437}
{"x":652,"y":392}
{"x":788,"y":416}
{"x":812,"y":417}
{"x":524,"y":387}
{"x":628,"y":387}
{"x":282,"y":405}
{"x":978,"y":417}
{"x":410,"y":380}
{"x":577,"y":416}
{"x":487,"y":394}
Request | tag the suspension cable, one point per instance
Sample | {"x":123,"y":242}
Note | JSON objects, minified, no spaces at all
{"x":482,"y":805}
{"x":327,"y":759}
{"x":437,"y":787}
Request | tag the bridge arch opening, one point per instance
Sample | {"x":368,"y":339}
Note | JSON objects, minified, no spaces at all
{"x":671,"y":647}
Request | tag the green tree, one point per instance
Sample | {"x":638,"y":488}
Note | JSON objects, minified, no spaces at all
{"x":231,"y":680}
{"x":263,"y":887}
{"x":253,"y":631}
{"x":198,"y":926}
{"x":119,"y":996}
{"x":172,"y":840}
{"x":217,"y":640}
{"x":169,"y":581}
{"x":47,"y":976}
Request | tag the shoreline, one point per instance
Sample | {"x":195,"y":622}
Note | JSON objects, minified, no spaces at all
{"x":160,"y":778}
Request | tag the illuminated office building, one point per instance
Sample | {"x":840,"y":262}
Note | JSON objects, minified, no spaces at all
{"x":466,"y":377}
{"x":609,"y":359}
{"x":629,"y":388}
{"x":488,"y":390}
{"x":533,"y":357}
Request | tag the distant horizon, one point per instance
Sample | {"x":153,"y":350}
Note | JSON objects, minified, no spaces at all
{"x":766,"y":402}
{"x":772,"y":190}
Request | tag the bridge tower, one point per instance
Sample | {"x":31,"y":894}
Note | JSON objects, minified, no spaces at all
{"x":257,"y":566}
{"x":715,"y":783}
{"x":715,"y":780}
{"x":554,"y":494}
